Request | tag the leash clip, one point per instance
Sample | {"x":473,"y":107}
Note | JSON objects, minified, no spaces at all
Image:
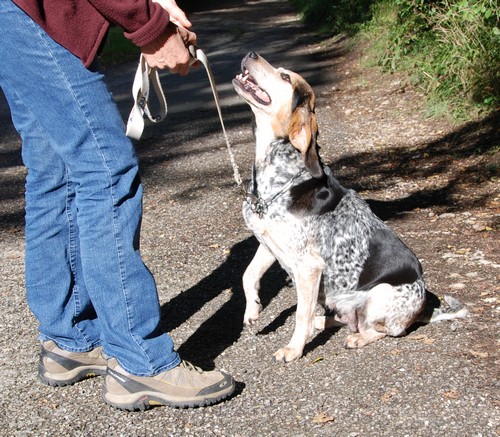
{"x":257,"y":205}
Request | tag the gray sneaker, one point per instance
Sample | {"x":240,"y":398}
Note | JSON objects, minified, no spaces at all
{"x":181,"y":387}
{"x":59,"y":367}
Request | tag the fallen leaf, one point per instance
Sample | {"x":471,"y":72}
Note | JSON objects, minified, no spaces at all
{"x":388,"y":395}
{"x":323,"y":418}
{"x":490,"y":300}
{"x":451,"y":394}
{"x":479,"y":354}
{"x":316,"y":360}
{"x":423,"y":338}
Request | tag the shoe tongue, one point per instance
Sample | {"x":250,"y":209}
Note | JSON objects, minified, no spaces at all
{"x":190,"y":366}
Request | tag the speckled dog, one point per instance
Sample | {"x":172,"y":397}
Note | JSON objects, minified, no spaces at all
{"x":337,"y":252}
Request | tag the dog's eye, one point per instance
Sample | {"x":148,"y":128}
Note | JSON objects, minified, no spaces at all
{"x":286,"y":77}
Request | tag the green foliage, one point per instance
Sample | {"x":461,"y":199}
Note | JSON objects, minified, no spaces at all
{"x":450,"y":48}
{"x":118,"y":49}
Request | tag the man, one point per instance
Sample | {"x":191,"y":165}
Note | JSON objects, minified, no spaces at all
{"x":95,"y":300}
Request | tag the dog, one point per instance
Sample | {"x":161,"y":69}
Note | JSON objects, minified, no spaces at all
{"x":337,"y":252}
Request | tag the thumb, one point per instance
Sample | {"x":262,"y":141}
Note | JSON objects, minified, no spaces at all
{"x":177,"y":15}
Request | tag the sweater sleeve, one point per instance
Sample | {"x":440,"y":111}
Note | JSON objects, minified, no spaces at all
{"x":142,"y":20}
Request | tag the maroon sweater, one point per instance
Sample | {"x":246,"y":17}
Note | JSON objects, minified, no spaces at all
{"x":81,"y":25}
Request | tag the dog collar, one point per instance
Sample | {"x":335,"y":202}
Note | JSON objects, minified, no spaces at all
{"x":259,"y":206}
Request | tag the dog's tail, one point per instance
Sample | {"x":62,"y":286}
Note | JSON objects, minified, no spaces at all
{"x":435,"y":310}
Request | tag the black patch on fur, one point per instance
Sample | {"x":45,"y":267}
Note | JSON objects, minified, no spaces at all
{"x":300,"y":97}
{"x":317,"y":196}
{"x":389,"y":261}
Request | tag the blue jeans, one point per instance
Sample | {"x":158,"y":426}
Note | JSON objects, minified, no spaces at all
{"x":86,"y":282}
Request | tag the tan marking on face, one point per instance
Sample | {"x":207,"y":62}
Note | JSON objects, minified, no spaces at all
{"x":298,"y":124}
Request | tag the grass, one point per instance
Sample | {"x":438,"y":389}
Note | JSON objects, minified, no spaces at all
{"x":118,"y":49}
{"x":449,"y":48}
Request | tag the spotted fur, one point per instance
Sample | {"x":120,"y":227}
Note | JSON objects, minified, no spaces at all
{"x":337,"y":252}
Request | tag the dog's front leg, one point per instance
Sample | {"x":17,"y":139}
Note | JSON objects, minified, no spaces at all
{"x":308,"y":276}
{"x":259,"y":265}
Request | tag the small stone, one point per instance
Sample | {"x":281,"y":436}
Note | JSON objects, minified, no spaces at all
{"x":446,"y":215}
{"x":457,"y":286}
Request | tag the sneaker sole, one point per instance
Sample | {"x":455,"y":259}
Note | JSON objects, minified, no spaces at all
{"x":70,"y":377}
{"x":144,"y":400}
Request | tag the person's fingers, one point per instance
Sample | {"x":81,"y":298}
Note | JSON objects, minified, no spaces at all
{"x":187,"y":36}
{"x":177,"y":15}
{"x":171,"y":50}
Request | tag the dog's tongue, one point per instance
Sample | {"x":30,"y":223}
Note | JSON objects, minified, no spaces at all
{"x":252,"y":87}
{"x":262,"y":95}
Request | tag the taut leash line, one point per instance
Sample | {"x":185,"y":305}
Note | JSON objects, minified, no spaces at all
{"x":141,"y":93}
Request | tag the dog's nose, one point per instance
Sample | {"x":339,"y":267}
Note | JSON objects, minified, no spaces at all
{"x":252,"y":55}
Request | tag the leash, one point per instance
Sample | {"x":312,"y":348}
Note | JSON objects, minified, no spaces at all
{"x":141,"y":91}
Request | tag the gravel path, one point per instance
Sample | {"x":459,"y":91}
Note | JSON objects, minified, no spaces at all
{"x":433,"y":182}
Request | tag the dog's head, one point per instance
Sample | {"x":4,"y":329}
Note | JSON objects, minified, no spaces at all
{"x":284,"y":103}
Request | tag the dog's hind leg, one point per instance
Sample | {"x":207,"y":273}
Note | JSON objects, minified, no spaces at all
{"x":388,"y":310}
{"x":259,"y":265}
{"x":308,"y":275}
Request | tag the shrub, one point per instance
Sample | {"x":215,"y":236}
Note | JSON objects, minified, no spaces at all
{"x":450,"y":48}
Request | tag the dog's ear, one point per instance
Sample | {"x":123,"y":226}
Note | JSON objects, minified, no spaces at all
{"x":303,"y":133}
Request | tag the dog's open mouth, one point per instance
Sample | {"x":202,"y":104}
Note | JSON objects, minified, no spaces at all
{"x":248,"y":84}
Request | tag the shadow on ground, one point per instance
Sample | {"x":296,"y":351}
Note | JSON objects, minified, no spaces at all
{"x":462,"y":155}
{"x":224,"y":327}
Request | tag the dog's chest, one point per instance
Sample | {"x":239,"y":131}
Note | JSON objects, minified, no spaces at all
{"x":266,"y":210}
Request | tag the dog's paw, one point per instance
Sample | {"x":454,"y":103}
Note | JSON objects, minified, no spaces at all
{"x":360,"y":339}
{"x":287,"y":354}
{"x":252,"y":314}
{"x":354,"y":341}
{"x":249,"y":321}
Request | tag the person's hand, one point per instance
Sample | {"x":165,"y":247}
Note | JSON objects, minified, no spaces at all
{"x":170,"y":49}
{"x":177,"y":15}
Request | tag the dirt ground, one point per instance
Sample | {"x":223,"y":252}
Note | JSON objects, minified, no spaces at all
{"x":434,"y":182}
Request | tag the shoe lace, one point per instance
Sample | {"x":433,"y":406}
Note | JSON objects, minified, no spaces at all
{"x":190,"y":366}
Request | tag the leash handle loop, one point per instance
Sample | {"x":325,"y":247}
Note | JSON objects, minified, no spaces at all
{"x":145,"y":75}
